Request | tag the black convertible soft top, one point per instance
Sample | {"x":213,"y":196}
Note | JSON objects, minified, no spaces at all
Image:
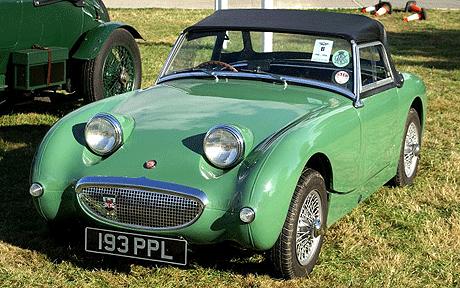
{"x":349,"y":26}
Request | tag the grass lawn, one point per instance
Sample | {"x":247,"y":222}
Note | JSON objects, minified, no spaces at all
{"x":398,"y":237}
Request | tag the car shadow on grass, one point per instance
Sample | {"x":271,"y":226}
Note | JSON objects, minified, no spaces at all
{"x":54,"y":104}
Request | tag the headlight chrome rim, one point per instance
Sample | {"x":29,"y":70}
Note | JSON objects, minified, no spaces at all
{"x":117,"y":129}
{"x":239,"y":138}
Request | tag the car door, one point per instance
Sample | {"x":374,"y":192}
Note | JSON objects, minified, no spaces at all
{"x":378,"y":114}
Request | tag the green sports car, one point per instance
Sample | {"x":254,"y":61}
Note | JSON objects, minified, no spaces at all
{"x":263,"y":128}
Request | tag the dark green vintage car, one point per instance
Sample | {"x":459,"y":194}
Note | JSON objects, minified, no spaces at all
{"x":65,"y":44}
{"x":264,"y":128}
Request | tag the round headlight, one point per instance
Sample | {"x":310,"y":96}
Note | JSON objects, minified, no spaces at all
{"x":223,"y":146}
{"x":103,"y":134}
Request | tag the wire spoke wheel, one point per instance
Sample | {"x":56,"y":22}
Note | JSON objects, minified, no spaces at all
{"x":116,"y":69}
{"x":306,"y":241}
{"x":411,"y":149}
{"x":118,"y":72}
{"x":298,"y":246}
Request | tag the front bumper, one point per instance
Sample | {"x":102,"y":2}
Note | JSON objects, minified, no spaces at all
{"x":147,"y":206}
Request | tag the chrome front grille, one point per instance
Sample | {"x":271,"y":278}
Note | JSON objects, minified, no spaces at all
{"x":139,"y":207}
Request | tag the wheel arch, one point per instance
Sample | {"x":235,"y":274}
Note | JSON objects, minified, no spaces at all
{"x":417,"y":104}
{"x":321,"y":163}
{"x":92,"y":41}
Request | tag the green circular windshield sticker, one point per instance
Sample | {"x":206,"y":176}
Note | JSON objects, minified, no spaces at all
{"x":341,"y":58}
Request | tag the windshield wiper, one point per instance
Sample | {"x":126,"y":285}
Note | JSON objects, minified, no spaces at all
{"x":273,"y":76}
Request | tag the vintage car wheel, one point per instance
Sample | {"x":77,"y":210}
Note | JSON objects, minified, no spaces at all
{"x":410,"y":150}
{"x":117,"y":68}
{"x":297,"y":248}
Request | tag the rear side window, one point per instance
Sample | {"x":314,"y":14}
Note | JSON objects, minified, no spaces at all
{"x":374,"y":67}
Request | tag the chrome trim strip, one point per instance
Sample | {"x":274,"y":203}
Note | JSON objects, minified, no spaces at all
{"x":356,"y":76}
{"x":239,"y":138}
{"x":171,"y":56}
{"x":245,"y":75}
{"x":379,"y":83}
{"x":118,"y":131}
{"x":141,"y":183}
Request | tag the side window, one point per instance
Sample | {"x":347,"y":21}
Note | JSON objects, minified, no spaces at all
{"x":234,"y":42}
{"x":374,"y":69}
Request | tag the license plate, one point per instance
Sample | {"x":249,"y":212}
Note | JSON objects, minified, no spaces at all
{"x":130,"y":245}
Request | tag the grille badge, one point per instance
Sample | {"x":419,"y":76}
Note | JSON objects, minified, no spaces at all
{"x":150,"y":164}
{"x":109,"y":202}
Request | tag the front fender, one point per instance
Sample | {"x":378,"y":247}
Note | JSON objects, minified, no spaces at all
{"x":62,"y":155}
{"x":93,"y":40}
{"x":273,"y":177}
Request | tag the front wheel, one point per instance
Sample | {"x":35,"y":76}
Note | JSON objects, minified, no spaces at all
{"x":410,"y":151}
{"x":115,"y":70}
{"x":297,"y":248}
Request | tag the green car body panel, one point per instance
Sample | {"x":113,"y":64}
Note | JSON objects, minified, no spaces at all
{"x":94,"y":39}
{"x":78,"y":26}
{"x":285,"y":128}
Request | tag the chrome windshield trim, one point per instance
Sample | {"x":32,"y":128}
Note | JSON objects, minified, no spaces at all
{"x":357,"y":75}
{"x":256,"y":76}
{"x":142,"y":183}
{"x":171,"y":56}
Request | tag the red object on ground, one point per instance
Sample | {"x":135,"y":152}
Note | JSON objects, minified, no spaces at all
{"x":417,"y":16}
{"x":414,"y":8}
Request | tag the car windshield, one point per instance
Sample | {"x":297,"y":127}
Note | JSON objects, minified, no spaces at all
{"x":284,"y":56}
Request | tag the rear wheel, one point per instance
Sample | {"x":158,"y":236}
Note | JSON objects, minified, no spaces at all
{"x":297,"y":248}
{"x":116,"y":69}
{"x":410,"y":151}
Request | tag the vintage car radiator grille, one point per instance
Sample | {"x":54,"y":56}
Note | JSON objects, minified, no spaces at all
{"x":133,"y":207}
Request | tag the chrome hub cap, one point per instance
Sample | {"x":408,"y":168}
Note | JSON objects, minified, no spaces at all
{"x":309,"y":228}
{"x":411,"y":150}
{"x":119,"y":72}
{"x":124,"y":77}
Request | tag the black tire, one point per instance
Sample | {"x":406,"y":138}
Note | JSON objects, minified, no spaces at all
{"x":93,"y":70}
{"x":403,"y":178}
{"x":284,"y":254}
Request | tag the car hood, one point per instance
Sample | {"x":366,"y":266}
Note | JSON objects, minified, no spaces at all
{"x":185,"y":108}
{"x":171,"y":120}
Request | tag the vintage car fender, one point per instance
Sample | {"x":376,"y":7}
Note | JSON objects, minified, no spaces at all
{"x":93,"y":40}
{"x":52,"y":153}
{"x":269,"y":176}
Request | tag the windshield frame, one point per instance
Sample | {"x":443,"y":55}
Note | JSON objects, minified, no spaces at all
{"x":353,"y":95}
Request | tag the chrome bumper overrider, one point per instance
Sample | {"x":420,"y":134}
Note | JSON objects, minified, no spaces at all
{"x":140,"y":203}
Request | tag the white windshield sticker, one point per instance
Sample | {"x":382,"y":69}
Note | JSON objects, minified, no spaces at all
{"x":341,"y":58}
{"x":322,"y":51}
{"x":342,"y":77}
